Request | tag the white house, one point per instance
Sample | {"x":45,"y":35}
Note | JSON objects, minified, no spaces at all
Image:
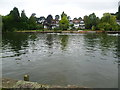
{"x":79,"y":24}
{"x":82,"y":24}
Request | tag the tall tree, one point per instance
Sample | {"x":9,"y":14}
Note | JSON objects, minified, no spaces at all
{"x":118,"y":13}
{"x":63,"y":14}
{"x":68,"y":17}
{"x":32,"y":22}
{"x":12,"y":20}
{"x":91,"y":21}
{"x":24,"y":20}
{"x":49,"y":21}
{"x":79,"y":18}
{"x":15,"y":14}
{"x":87,"y":22}
{"x":64,"y":23}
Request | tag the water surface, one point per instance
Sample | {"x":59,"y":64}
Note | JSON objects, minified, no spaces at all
{"x":88,"y":60}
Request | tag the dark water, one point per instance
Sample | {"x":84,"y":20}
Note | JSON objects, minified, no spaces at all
{"x":89,"y":60}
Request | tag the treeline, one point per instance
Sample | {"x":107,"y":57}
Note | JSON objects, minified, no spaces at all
{"x":15,"y":21}
{"x":107,"y":22}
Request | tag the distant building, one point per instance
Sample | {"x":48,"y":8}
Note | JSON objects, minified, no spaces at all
{"x":78,"y":24}
{"x":55,"y":24}
{"x":41,"y":20}
{"x":118,"y":22}
{"x":82,"y":24}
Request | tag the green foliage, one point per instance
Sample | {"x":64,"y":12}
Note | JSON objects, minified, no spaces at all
{"x":91,"y":20}
{"x":11,"y":21}
{"x":108,"y":18}
{"x":64,"y":23}
{"x":24,"y":21}
{"x":118,"y":16}
{"x":39,"y":26}
{"x":63,"y":14}
{"x":14,"y":21}
{"x":104,"y":26}
{"x":93,"y":27}
{"x":32,"y":22}
{"x":49,"y":21}
{"x":108,"y":22}
{"x":87,"y":22}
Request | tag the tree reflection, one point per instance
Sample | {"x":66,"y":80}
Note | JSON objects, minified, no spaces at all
{"x":15,"y":40}
{"x":64,"y":41}
{"x":107,"y":42}
{"x":102,"y":41}
{"x":49,"y":40}
{"x":90,"y":41}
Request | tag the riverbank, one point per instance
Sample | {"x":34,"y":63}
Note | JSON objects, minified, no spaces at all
{"x":59,"y":31}
{"x":11,"y":83}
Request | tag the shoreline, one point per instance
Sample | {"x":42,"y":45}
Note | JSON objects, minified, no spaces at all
{"x":87,"y":31}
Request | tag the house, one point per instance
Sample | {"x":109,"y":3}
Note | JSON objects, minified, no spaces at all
{"x":45,"y":24}
{"x":70,"y":24}
{"x":78,"y":24}
{"x":41,"y":20}
{"x":55,"y":23}
{"x":118,"y":22}
{"x":82,"y":24}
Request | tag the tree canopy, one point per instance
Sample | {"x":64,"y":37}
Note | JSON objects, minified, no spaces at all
{"x":108,"y":22}
{"x":64,"y":22}
{"x":91,"y":21}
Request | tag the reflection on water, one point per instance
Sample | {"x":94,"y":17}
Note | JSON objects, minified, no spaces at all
{"x":89,"y":60}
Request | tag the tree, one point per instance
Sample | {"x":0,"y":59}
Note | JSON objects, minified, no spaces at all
{"x":57,"y":17}
{"x":63,"y":14}
{"x":24,"y":18}
{"x":119,"y":8}
{"x":118,"y":16}
{"x":108,"y":22}
{"x":64,"y":23}
{"x":91,"y":20}
{"x":79,"y":18}
{"x":24,"y":21}
{"x":69,"y":18}
{"x":75,"y":18}
{"x":49,"y":21}
{"x":11,"y":22}
{"x":32,"y":22}
{"x":15,"y":14}
{"x":108,"y":18}
{"x":87,"y":22}
{"x":104,"y":26}
{"x":1,"y":23}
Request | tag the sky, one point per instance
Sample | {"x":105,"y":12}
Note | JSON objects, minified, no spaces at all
{"x":73,"y":8}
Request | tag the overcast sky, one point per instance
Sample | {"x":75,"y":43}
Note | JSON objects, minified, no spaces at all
{"x":73,"y":8}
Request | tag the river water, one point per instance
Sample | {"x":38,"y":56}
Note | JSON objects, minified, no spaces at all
{"x":89,"y":60}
